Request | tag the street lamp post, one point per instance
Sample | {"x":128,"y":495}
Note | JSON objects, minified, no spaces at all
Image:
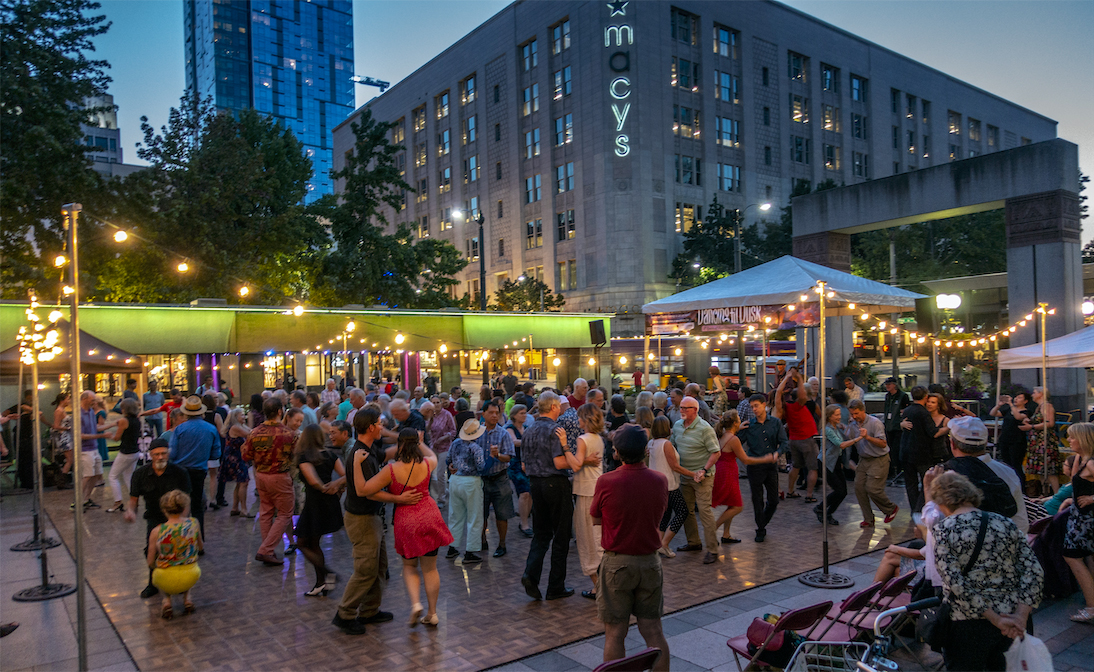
{"x":738,"y":216}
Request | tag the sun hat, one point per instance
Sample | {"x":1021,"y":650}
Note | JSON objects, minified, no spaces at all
{"x":471,"y":430}
{"x":969,"y":430}
{"x":193,"y":406}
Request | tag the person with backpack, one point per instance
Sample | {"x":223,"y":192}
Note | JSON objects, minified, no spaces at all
{"x":1000,"y":485}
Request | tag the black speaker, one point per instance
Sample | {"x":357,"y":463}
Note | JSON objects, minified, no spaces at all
{"x":596,"y":332}
{"x":925,"y":318}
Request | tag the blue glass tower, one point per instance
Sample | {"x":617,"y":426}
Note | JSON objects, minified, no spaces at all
{"x":290,"y":59}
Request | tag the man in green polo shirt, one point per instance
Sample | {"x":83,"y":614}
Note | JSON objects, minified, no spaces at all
{"x":697,"y":443}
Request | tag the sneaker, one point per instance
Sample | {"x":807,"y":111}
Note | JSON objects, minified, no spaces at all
{"x":760,"y":536}
{"x":378,"y":617}
{"x":1085,"y":615}
{"x":89,"y":504}
{"x":866,"y":523}
{"x":452,"y":553}
{"x":470,"y":558}
{"x":889,"y":518}
{"x":350,"y":626}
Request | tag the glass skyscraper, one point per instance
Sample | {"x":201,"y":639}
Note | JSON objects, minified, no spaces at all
{"x":288,"y":59}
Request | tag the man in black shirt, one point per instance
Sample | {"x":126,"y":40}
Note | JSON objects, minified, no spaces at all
{"x":364,"y":523}
{"x":509,"y":382}
{"x":915,"y":446}
{"x":152,"y":481}
{"x":896,"y":400}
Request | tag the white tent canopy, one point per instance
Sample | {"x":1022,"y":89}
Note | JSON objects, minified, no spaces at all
{"x":783,"y":281}
{"x":1074,"y":350}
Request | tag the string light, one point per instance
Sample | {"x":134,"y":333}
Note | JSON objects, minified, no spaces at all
{"x":183,"y":267}
{"x":120,"y":236}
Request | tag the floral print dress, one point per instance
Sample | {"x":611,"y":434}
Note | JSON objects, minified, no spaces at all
{"x":1037,"y":459}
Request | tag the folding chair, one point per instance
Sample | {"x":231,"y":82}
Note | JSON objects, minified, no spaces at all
{"x":891,"y":595}
{"x":639,"y":662}
{"x":806,"y":618}
{"x":843,"y":619}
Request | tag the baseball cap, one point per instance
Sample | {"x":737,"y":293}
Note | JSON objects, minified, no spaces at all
{"x":888,"y":380}
{"x":158,"y":443}
{"x":969,"y":430}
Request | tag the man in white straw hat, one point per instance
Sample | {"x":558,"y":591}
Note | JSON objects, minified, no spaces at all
{"x":193,"y":444}
{"x":466,"y":461}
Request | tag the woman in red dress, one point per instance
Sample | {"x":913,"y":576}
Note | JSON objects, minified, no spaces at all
{"x":727,"y":483}
{"x":419,"y":528}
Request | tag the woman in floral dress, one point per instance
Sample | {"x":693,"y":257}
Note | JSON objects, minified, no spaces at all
{"x":1042,"y":460}
{"x":232,"y":467}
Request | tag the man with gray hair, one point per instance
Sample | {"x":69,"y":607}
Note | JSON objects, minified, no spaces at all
{"x":694,"y":391}
{"x":969,"y":443}
{"x":357,"y":402}
{"x":404,"y":418}
{"x":873,"y":464}
{"x":330,"y":394}
{"x":299,"y":401}
{"x":418,"y":399}
{"x":577,"y":399}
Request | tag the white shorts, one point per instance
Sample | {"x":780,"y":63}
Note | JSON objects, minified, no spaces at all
{"x":212,"y":464}
{"x":91,"y":463}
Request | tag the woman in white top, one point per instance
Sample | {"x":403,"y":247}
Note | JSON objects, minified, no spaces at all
{"x":665,"y":459}
{"x":591,"y":421}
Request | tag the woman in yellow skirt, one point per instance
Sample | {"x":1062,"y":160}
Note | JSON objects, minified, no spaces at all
{"x":173,"y":552}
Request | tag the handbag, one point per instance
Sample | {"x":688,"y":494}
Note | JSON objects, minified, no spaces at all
{"x":934,"y":624}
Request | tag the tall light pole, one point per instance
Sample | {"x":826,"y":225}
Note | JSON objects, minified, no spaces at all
{"x":738,"y":216}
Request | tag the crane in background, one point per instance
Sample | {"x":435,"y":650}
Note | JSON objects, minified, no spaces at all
{"x":371,"y":81}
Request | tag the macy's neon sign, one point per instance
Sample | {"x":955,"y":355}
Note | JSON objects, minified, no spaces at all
{"x":618,"y":36}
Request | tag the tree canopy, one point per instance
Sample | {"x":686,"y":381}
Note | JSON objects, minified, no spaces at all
{"x":524,"y":296}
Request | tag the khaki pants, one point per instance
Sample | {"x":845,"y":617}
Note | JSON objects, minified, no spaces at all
{"x":870,"y":475}
{"x":700,"y":494}
{"x":365,"y":587}
{"x":587,"y":535}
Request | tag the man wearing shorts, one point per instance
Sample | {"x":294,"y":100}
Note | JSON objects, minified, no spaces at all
{"x":628,"y":505}
{"x":497,"y":489}
{"x":91,"y":461}
{"x":801,"y":425}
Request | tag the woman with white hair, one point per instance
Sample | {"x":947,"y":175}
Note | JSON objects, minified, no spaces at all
{"x":232,"y":467}
{"x":660,"y":400}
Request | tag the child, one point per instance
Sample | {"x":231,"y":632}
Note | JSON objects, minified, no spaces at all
{"x":173,"y":549}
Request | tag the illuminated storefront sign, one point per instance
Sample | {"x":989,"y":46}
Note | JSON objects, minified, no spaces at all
{"x":618,"y":36}
{"x":733,"y":319}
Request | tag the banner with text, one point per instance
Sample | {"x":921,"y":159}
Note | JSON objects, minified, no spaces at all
{"x":733,"y":319}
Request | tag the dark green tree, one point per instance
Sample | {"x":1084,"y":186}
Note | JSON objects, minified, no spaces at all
{"x":47,"y":78}
{"x":708,"y":248}
{"x":367,"y":265}
{"x":524,"y":296}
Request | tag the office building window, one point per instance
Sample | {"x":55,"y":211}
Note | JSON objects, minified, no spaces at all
{"x":925,"y":108}
{"x":796,"y":66}
{"x":974,"y":152}
{"x":501,"y":247}
{"x":473,"y":248}
{"x":685,"y":121}
{"x":911,"y":142}
{"x":473,"y":290}
{"x":564,"y":177}
{"x":566,"y":227}
{"x":564,"y":130}
{"x":861,"y":164}
{"x":896,"y":137}
{"x":441,"y":104}
{"x":858,"y":88}
{"x":767,"y":156}
{"x":497,"y":170}
{"x":726,"y":41}
{"x":896,"y":167}
{"x":423,"y":227}
{"x":727,"y":132}
{"x":423,"y":190}
{"x":799,"y":149}
{"x":894,"y":100}
{"x":765,"y":77}
{"x":418,"y":116}
{"x":858,"y":126}
{"x":531,"y":99}
{"x":533,"y":188}
{"x":497,"y":93}
{"x":560,"y":37}
{"x":467,"y":90}
{"x":831,"y":119}
{"x":446,"y":219}
{"x":974,"y":130}
{"x":444,"y":142}
{"x":471,"y":169}
{"x":993,"y":136}
{"x":954,"y":119}
{"x":533,"y":236}
{"x":501,"y":209}
{"x":926,"y":146}
{"x":767,"y":116}
{"x":398,"y":132}
{"x":497,"y":132}
{"x":529,"y":55}
{"x":831,"y":157}
{"x":686,"y":216}
{"x":420,"y":154}
{"x":830,"y":78}
{"x":727,"y":87}
{"x":729,"y":177}
{"x":469,"y":131}
{"x":799,"y":109}
{"x":685,"y":74}
{"x":909,"y":106}
{"x":567,"y":274}
{"x":531,"y":143}
{"x":955,"y":152}
{"x":689,"y":170}
{"x":684,"y":26}
{"x":563,"y":83}
{"x":445,"y":183}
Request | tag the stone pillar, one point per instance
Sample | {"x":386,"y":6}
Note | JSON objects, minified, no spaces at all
{"x":450,"y":373}
{"x":1044,"y":265}
{"x":827,"y":249}
{"x":834,"y":251}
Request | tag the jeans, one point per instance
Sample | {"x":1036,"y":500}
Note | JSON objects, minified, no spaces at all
{"x":465,"y":511}
{"x":276,"y":496}
{"x":122,"y":471}
{"x":197,"y":496}
{"x":553,"y":503}
{"x":870,"y":486}
{"x":838,"y":482}
{"x":763,"y":477}
{"x":700,"y":494}
{"x":365,"y":587}
{"x":155,"y":424}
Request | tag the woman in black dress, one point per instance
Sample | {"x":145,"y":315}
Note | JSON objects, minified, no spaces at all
{"x":322,"y":513}
{"x":1011,"y":441}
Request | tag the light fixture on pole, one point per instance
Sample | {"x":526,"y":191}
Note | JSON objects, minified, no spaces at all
{"x":822,"y":578}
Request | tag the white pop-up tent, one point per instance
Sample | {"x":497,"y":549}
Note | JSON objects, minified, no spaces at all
{"x":783,"y":281}
{"x":1074,"y":350}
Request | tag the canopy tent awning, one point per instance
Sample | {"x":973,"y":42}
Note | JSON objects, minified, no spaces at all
{"x":97,"y":356}
{"x":1074,"y":350}
{"x":784,"y":281}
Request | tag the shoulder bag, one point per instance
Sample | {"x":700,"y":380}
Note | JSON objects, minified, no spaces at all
{"x":934,"y":624}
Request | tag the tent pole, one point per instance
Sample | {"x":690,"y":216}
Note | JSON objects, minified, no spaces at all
{"x":1044,"y":383}
{"x":998,"y":393}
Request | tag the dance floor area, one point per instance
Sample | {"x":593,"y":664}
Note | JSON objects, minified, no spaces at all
{"x":250,"y":616}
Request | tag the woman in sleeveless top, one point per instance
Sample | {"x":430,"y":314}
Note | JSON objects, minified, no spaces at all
{"x":1043,"y":459}
{"x":232,"y":467}
{"x":61,"y":433}
{"x":940,"y":444}
{"x":718,"y":389}
{"x":665,"y":460}
{"x":727,"y":481}
{"x":521,"y":485}
{"x":587,"y":535}
{"x":419,"y":528}
{"x":1079,"y":539}
{"x":322,"y":512}
{"x":173,"y":549}
{"x":128,"y":432}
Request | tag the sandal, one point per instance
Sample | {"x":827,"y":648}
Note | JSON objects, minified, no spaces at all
{"x":810,"y":500}
{"x":166,"y":613}
{"x":1085,"y":615}
{"x":730,"y":540}
{"x":188,"y":608}
{"x":431,"y":620}
{"x":793,"y":495}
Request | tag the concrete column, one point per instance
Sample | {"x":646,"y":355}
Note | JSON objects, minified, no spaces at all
{"x":450,"y":373}
{"x":1044,"y":265}
{"x":827,"y":248}
{"x":251,"y":379}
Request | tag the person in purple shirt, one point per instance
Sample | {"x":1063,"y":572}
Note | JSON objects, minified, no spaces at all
{"x":91,"y":462}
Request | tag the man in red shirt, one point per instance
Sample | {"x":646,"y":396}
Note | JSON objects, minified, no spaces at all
{"x":270,"y":446}
{"x":628,"y":505}
{"x":637,"y":377}
{"x":801,"y":425}
{"x":176,"y":402}
{"x":577,"y":399}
